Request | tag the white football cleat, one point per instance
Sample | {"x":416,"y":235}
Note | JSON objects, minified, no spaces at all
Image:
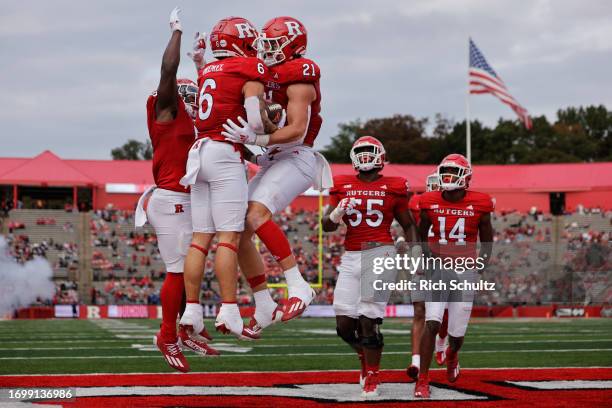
{"x":299,"y":299}
{"x":441,"y":345}
{"x":261,"y":320}
{"x":229,"y":321}
{"x":192,"y":322}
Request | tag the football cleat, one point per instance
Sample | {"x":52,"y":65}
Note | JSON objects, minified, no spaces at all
{"x":195,"y":345}
{"x":255,"y":326}
{"x":296,"y":305}
{"x":412,"y":372}
{"x":421,"y":389}
{"x":370,"y":387}
{"x":172,"y":353}
{"x":452,"y":365}
{"x":192,"y":321}
{"x":441,"y":345}
{"x":229,"y":322}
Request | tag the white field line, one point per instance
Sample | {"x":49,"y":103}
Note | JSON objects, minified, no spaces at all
{"x":257,"y":346}
{"x":284,"y":372}
{"x":304,"y":354}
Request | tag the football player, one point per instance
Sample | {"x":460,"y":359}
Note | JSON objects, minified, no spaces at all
{"x":417,"y":297}
{"x":367,"y":203}
{"x":289,"y":166}
{"x":170,"y":117}
{"x":458,"y":217}
{"x":229,"y":87}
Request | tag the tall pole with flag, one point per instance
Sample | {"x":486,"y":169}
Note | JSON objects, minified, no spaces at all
{"x":483,"y":79}
{"x":468,"y":127}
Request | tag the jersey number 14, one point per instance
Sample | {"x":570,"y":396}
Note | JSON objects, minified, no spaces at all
{"x":457,"y":232}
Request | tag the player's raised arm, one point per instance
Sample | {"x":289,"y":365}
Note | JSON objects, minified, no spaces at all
{"x":485,"y":234}
{"x":166,"y":106}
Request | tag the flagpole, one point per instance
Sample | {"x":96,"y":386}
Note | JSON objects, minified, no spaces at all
{"x":468,"y":130}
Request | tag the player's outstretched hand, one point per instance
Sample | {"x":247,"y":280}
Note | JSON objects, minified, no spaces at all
{"x":239,"y":134}
{"x":199,"y":47}
{"x":175,"y":21}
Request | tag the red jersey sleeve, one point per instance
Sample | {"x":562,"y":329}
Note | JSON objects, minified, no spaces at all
{"x":300,"y":70}
{"x":426,"y":200}
{"x":399,"y":189}
{"x":485,"y":203}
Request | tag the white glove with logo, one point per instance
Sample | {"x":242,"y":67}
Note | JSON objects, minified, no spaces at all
{"x":345,"y":206}
{"x":245,"y":134}
{"x":175,"y":21}
{"x":199,"y":47}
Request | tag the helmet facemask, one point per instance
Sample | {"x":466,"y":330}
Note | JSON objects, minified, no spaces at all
{"x":432,"y":183}
{"x":367,"y":156}
{"x":453,"y":177}
{"x":270,"y":50}
{"x":189,"y":94}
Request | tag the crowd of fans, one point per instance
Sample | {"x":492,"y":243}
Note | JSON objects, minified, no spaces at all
{"x":127,"y":267}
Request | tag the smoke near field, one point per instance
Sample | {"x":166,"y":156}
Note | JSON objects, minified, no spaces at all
{"x":22,"y":284}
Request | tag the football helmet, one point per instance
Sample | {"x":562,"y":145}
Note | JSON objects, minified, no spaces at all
{"x":454,"y":172}
{"x":233,"y":37}
{"x":188,"y":90}
{"x":432,"y":183}
{"x":367,"y":153}
{"x":281,"y":39}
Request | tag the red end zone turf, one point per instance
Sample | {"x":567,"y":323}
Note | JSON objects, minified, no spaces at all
{"x":562,"y":387}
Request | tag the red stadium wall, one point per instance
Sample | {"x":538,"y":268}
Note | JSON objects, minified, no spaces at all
{"x":119,"y":201}
{"x":588,"y":199}
{"x":520,"y":201}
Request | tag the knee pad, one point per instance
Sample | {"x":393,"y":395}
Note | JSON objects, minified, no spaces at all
{"x":349,"y":336}
{"x":370,"y":336}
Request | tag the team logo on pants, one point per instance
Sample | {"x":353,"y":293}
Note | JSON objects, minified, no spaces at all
{"x":178,"y":208}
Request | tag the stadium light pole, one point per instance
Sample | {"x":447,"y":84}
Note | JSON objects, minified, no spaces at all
{"x":468,"y":130}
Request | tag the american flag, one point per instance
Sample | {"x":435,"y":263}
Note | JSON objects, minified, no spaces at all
{"x":483,"y":79}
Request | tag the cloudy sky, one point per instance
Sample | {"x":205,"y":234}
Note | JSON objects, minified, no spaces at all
{"x":75,"y":74}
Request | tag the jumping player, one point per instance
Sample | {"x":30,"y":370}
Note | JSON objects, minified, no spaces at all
{"x":458,"y":217}
{"x":367,"y":203}
{"x":289,"y":166}
{"x":229,"y":87}
{"x":170,"y":121}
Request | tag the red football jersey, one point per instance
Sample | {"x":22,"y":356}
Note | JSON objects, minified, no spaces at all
{"x":171,"y":142}
{"x":378,"y":203}
{"x":413,"y":205}
{"x":220,"y":96}
{"x":454,"y":231}
{"x":294,"y":71}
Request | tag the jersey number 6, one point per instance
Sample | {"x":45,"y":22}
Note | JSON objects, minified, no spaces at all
{"x":204,"y":114}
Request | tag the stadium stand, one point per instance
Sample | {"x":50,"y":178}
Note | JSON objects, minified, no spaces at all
{"x":538,"y":258}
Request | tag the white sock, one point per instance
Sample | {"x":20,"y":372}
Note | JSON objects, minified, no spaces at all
{"x":293,"y":276}
{"x":416,"y":360}
{"x":264,"y":299}
{"x":231,"y":315}
{"x":264,"y":307}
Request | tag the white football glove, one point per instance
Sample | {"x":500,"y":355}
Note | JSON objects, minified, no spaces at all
{"x":345,"y":206}
{"x":199,"y":48}
{"x":245,"y":134}
{"x":175,"y":21}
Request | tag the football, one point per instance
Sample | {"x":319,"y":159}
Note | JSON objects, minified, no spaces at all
{"x":274,"y":111}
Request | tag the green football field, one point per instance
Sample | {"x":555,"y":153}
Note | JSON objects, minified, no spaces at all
{"x":123,"y":346}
